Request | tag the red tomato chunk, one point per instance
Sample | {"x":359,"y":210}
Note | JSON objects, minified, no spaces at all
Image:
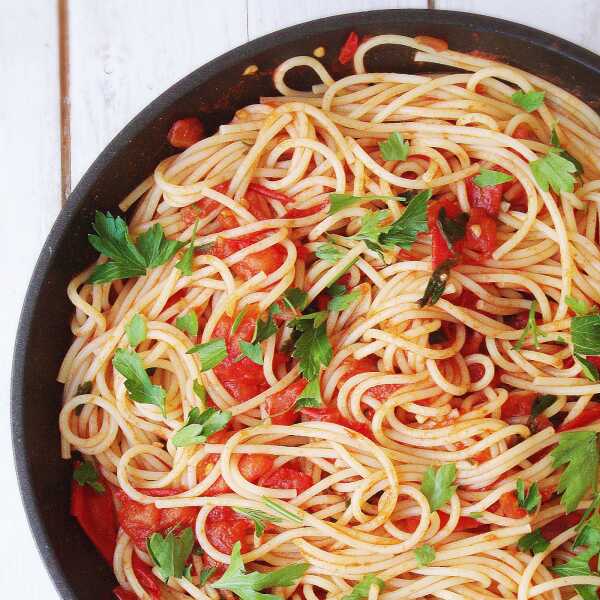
{"x":185,"y":132}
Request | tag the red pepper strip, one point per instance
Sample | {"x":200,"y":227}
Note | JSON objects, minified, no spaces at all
{"x":96,"y":515}
{"x":589,"y":414}
{"x":440,"y":252}
{"x":123,"y":594}
{"x":349,"y":48}
{"x":259,"y":189}
{"x":146,"y":578}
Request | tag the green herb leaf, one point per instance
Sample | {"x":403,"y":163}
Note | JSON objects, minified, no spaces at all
{"x":529,"y":101}
{"x":171,"y":552}
{"x":554,"y":140}
{"x":199,"y":426}
{"x":295,"y":298}
{"x":580,"y":307}
{"x":200,"y":392}
{"x":312,"y":348}
{"x":530,"y":329}
{"x":534,"y":542}
{"x":85,"y":474}
{"x":84,"y":388}
{"x":251,"y":351}
{"x":137,"y":382}
{"x":205,"y":575}
{"x":452,"y":229}
{"x":185,"y":264}
{"x":371,"y":226}
{"x":476,"y":515}
{"x":589,"y":532}
{"x":541,"y":403}
{"x":554,"y":171}
{"x":265,"y":329}
{"x":437,"y":485}
{"x":136,"y":330}
{"x":403,"y":232}
{"x":394,"y":148}
{"x":258,"y":517}
{"x":343,"y":302}
{"x":338,"y":202}
{"x":361,"y":589}
{"x":588,"y":368}
{"x":310,"y":396}
{"x":437,"y":283}
{"x":248,"y":585}
{"x":579,"y":451}
{"x":579,"y":565}
{"x":284,"y":512}
{"x":188,"y":323}
{"x":585,"y":335}
{"x":210,"y":353}
{"x":329,"y":252}
{"x":529,"y":501}
{"x":238,"y":320}
{"x":424,"y":555}
{"x":488,"y":178}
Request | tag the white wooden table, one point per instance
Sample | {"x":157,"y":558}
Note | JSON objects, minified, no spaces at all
{"x":74,"y":73}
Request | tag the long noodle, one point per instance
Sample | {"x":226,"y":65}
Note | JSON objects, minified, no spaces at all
{"x":423,"y":398}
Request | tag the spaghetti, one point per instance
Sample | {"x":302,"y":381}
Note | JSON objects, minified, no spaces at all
{"x":353,"y":343}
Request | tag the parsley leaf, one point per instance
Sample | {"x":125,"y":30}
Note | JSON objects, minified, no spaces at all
{"x":248,"y":585}
{"x":530,"y":501}
{"x":344,"y":301}
{"x":200,"y":392}
{"x":361,"y":589}
{"x":205,"y":574}
{"x":589,"y":531}
{"x":452,"y":229}
{"x":210,"y":353}
{"x":580,"y":307}
{"x":170,"y":553}
{"x":310,"y":396}
{"x":476,"y":515}
{"x":188,"y":323}
{"x":566,"y":155}
{"x":530,"y":329}
{"x":437,"y":283}
{"x":251,"y":351}
{"x":199,"y":426}
{"x":529,"y":101}
{"x":185,"y":264}
{"x":579,"y":451}
{"x":588,"y":368}
{"x":295,"y":298}
{"x":534,"y":541}
{"x":488,"y":178}
{"x":585,"y":335}
{"x":554,"y":171}
{"x":579,"y":565}
{"x":541,"y":403}
{"x":424,"y":555}
{"x":403,"y":232}
{"x":265,"y":329}
{"x":137,"y":382}
{"x":284,"y":512}
{"x":329,"y":252}
{"x":394,"y":148}
{"x":437,"y":485}
{"x":312,"y":348}
{"x":238,"y":320}
{"x":338,"y":201}
{"x":85,"y":474}
{"x":258,"y":517}
{"x":136,"y":330}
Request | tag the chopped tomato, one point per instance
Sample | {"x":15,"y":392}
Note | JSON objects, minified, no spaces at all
{"x":523,"y":132}
{"x":254,"y":466}
{"x":243,"y":379}
{"x":175,"y":298}
{"x":487,"y":198}
{"x":473,"y":342}
{"x":280,"y":406}
{"x":440,"y":250}
{"x":547,"y":493}
{"x":225,"y":220}
{"x":558,"y":526}
{"x":286,"y":478}
{"x":482,"y":456}
{"x":366,"y":365}
{"x":185,"y":132}
{"x":303,"y":252}
{"x":467,"y":299}
{"x":224,"y":528}
{"x":142,"y":520}
{"x":267,"y":260}
{"x":330,"y":414}
{"x":518,"y":404}
{"x":410,"y":524}
{"x":383,"y":391}
{"x":259,"y":206}
{"x":590,"y":414}
{"x":123,"y":594}
{"x":481,"y":233}
{"x":190,"y":214}
{"x":145,"y":577}
{"x":349,"y":48}
{"x":298,"y":213}
{"x":434,"y":43}
{"x":274,"y":194}
{"x":518,"y":320}
{"x":509,"y":506}
{"x":96,"y":515}
{"x":476,"y":371}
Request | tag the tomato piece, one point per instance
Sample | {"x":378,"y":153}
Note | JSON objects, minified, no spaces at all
{"x":330,"y":414}
{"x":224,"y":528}
{"x":487,"y":198}
{"x":203,"y":207}
{"x":303,"y":252}
{"x":274,"y":194}
{"x":349,"y":48}
{"x":590,"y":414}
{"x":481,"y":232}
{"x":185,"y":132}
{"x":440,"y":252}
{"x":280,"y":406}
{"x":225,"y":220}
{"x":558,"y":526}
{"x":473,"y":342}
{"x":123,"y":594}
{"x":254,"y":466}
{"x":476,"y":371}
{"x":523,"y":132}
{"x":146,"y":578}
{"x":96,"y":515}
{"x":286,"y":478}
{"x":434,"y":43}
{"x":298,"y":213}
{"x":509,"y":506}
{"x":518,"y":404}
{"x":259,"y":206}
{"x":410,"y":524}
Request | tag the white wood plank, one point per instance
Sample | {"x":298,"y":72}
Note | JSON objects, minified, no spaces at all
{"x":265,"y":16}
{"x":573,"y":20}
{"x":30,"y":171}
{"x":124,"y":54}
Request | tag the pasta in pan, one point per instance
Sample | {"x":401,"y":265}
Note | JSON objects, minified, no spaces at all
{"x":347,"y":346}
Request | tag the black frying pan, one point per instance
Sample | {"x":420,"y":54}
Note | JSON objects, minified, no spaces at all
{"x":212,"y":92}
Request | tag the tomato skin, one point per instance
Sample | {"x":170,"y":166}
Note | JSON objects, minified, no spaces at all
{"x":123,"y":594}
{"x":435,"y":43}
{"x":190,"y":214}
{"x":259,"y":206}
{"x":254,"y":466}
{"x":146,"y":578}
{"x":561,"y":524}
{"x":509,"y":506}
{"x":224,"y":528}
{"x":268,"y":193}
{"x":330,"y":414}
{"x":286,"y":478}
{"x":410,"y":524}
{"x":298,"y":213}
{"x":523,"y":132}
{"x":349,"y":48}
{"x":481,"y":233}
{"x":96,"y":515}
{"x":476,"y":371}
{"x":518,"y":404}
{"x":280,"y":406}
{"x":440,"y":252}
{"x":487,"y":198}
{"x":473,"y":342}
{"x":185,"y":132}
{"x":589,"y":414}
